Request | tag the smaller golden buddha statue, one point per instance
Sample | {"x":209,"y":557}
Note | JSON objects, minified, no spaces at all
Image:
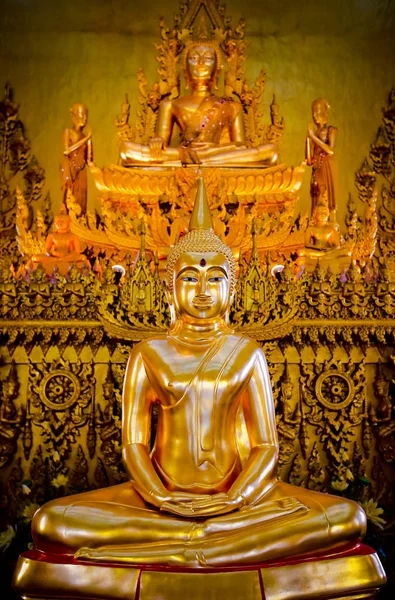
{"x":320,"y":143}
{"x":322,"y":234}
{"x":77,"y":153}
{"x":203,"y":119}
{"x":62,"y":248}
{"x":323,"y":240}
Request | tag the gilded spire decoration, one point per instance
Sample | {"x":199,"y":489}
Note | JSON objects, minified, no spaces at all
{"x":201,"y":216}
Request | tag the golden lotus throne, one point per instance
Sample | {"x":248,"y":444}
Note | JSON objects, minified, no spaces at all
{"x":203,"y":515}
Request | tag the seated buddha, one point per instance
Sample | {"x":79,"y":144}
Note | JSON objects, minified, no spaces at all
{"x":207,"y":494}
{"x":322,"y":239}
{"x":62,"y":247}
{"x":202,"y":118}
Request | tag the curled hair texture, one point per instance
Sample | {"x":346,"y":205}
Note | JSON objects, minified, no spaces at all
{"x":200,"y":240}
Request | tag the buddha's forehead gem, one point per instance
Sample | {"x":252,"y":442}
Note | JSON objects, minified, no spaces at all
{"x":203,"y":262}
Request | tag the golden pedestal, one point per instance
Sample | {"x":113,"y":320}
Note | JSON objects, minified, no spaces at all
{"x":353,"y":572}
{"x":163,"y":197}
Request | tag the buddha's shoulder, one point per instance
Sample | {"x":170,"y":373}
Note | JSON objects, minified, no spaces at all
{"x":169,"y":343}
{"x":147,"y":346}
{"x":246,"y":343}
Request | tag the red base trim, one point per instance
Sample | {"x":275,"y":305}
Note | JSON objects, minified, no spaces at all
{"x":341,"y":552}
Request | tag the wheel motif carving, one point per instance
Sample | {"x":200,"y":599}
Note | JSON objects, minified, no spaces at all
{"x":60,"y":390}
{"x":334,"y":390}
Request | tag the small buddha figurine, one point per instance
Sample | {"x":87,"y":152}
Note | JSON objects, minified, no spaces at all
{"x":322,"y":234}
{"x":320,"y":143}
{"x":205,"y":496}
{"x":323,"y":240}
{"x":202,"y":118}
{"x":62,"y":247}
{"x":77,"y":153}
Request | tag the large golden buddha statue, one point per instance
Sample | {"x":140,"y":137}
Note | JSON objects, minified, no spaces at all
{"x":193,"y":500}
{"x":203,"y":118}
{"x":206,"y":496}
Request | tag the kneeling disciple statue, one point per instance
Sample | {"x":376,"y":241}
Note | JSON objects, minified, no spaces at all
{"x":207,"y":496}
{"x":202,"y":118}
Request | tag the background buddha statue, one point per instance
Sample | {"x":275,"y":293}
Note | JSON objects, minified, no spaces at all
{"x":207,"y":494}
{"x":320,"y":144}
{"x":62,"y":247}
{"x":323,"y":240}
{"x":203,"y":118}
{"x":322,"y":234}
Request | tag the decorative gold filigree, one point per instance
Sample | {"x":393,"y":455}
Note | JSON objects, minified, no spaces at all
{"x":16,"y":159}
{"x":288,"y":418}
{"x":340,"y":390}
{"x":108,"y":422}
{"x":381,"y":417}
{"x":60,"y":394}
{"x":335,"y":390}
{"x":11,"y":418}
{"x":164,"y":199}
{"x":381,"y":173}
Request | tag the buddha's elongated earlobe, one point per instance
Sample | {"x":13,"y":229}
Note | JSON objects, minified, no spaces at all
{"x":169,"y":298}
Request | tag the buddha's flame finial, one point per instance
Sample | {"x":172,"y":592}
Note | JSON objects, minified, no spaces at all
{"x":201,"y":217}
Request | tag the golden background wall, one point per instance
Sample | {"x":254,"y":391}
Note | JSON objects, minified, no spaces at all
{"x":90,"y":50}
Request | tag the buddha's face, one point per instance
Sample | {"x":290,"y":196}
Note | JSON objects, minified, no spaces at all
{"x":320,"y":113}
{"x":201,"y":286}
{"x":201,"y":63}
{"x":62,"y":223}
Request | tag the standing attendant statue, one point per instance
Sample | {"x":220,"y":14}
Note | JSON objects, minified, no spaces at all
{"x":320,"y":143}
{"x":77,"y":153}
